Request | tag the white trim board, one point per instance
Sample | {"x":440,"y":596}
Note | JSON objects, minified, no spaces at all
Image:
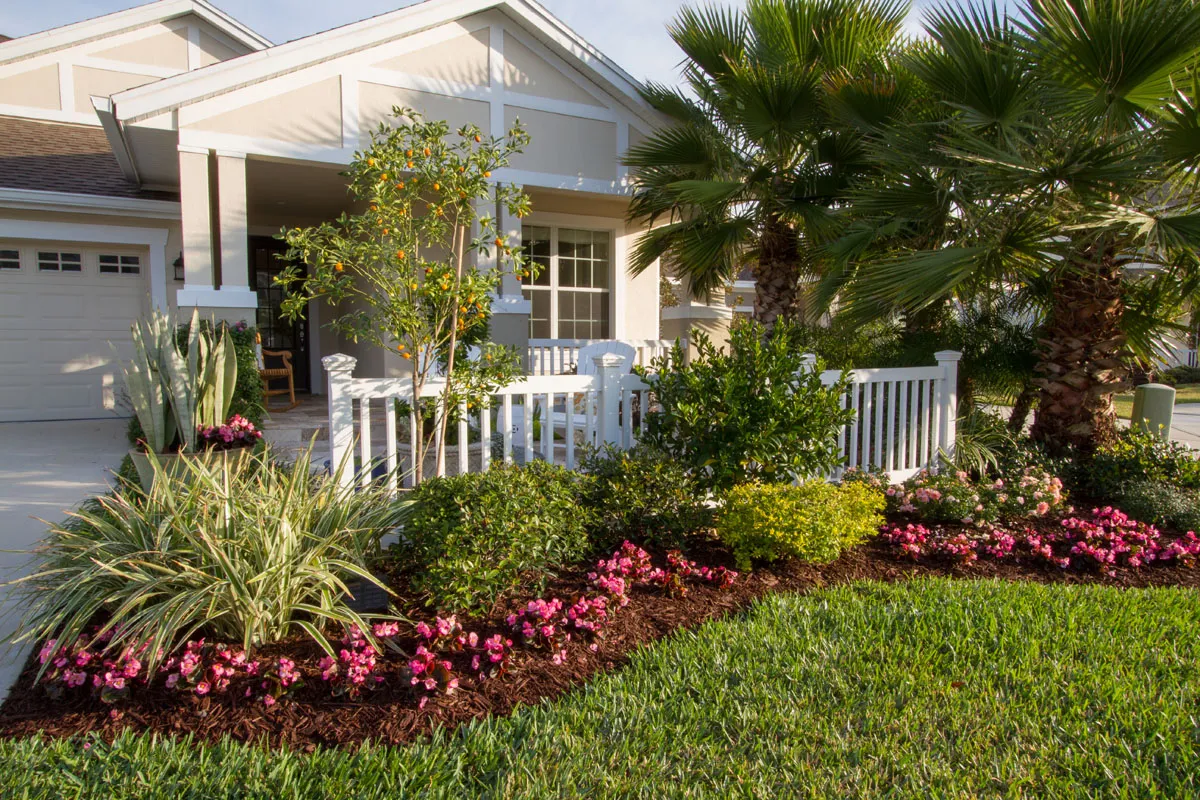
{"x":181,"y":90}
{"x":40,"y":200}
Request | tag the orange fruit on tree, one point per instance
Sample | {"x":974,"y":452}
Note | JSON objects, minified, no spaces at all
{"x":478,"y":138}
{"x":338,"y":267}
{"x":426,"y":151}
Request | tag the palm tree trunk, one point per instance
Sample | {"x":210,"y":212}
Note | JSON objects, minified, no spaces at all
{"x":776,"y":275}
{"x":1021,"y":408}
{"x":1080,"y":359}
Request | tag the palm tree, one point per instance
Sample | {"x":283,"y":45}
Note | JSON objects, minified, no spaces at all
{"x":765,"y":140}
{"x":1060,"y":165}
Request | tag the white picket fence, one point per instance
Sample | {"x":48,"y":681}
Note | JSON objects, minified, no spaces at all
{"x":903,"y":418}
{"x":558,"y":356}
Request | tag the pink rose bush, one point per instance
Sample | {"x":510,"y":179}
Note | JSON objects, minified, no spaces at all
{"x":950,"y":496}
{"x":1106,"y":540}
{"x":236,"y":432}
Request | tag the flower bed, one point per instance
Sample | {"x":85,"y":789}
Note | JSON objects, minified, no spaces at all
{"x":443,"y":672}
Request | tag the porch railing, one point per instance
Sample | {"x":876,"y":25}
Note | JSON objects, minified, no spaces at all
{"x":557,"y":356}
{"x":902,"y":419}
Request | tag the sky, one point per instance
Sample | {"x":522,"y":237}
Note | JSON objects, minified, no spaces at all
{"x":630,"y":32}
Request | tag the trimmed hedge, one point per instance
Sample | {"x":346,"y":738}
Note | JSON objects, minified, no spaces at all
{"x":814,"y":521}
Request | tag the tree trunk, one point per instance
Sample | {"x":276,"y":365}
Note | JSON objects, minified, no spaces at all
{"x":1080,"y":364}
{"x":1021,"y":408}
{"x":776,"y":275}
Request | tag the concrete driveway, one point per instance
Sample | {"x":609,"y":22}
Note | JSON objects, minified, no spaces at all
{"x":45,"y":468}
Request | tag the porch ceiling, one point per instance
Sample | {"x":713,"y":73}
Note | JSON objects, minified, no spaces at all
{"x":287,"y":193}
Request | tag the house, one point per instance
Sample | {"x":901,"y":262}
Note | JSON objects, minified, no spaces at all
{"x":148,"y":157}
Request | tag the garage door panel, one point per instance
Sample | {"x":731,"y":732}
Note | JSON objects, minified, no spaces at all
{"x":56,"y":361}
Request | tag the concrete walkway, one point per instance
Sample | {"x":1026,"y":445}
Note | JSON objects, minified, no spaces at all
{"x":45,"y":468}
{"x":1185,"y":427}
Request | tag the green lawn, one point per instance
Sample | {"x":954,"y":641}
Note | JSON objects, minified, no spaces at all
{"x":935,"y":688}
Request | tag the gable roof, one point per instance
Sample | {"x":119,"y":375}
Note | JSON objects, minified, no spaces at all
{"x":57,"y":157}
{"x":23,"y":47}
{"x":171,"y":93}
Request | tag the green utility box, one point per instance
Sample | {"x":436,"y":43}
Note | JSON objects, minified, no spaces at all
{"x":1153,"y":407}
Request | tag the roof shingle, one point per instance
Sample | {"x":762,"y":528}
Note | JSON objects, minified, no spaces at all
{"x":57,"y":157}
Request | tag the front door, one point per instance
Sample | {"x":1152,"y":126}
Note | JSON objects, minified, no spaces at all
{"x":278,"y":332}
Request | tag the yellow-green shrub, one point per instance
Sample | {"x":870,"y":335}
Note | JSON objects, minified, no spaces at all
{"x":814,"y":521}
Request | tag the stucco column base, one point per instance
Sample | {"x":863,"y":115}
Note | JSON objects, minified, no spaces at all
{"x":679,"y":321}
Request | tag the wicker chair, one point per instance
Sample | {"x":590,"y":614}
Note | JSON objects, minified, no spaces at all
{"x":269,"y":374}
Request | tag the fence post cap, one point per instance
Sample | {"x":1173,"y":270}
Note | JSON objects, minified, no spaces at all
{"x":339,"y":362}
{"x":609,"y":360}
{"x":948,"y":355}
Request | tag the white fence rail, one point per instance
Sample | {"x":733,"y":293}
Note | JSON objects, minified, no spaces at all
{"x":558,"y":356}
{"x":903,"y":418}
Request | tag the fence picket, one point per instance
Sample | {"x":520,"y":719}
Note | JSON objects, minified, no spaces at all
{"x":901,"y":417}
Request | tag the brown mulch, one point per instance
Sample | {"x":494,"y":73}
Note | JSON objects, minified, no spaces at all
{"x":390,"y":715}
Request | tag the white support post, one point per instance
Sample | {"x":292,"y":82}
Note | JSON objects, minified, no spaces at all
{"x":196,"y":212}
{"x":609,"y":368}
{"x":808,"y":363}
{"x":231,"y":215}
{"x":948,"y":400}
{"x":341,"y":416}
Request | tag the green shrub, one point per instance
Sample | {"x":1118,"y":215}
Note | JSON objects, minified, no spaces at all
{"x":248,"y":397}
{"x":253,"y":555}
{"x":1161,"y":504}
{"x":1138,"y":457}
{"x":473,"y":537}
{"x":747,"y":415}
{"x":641,"y":494}
{"x":1177,"y":376}
{"x":814,"y":521}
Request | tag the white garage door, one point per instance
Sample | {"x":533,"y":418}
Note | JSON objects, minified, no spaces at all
{"x":60,"y":306}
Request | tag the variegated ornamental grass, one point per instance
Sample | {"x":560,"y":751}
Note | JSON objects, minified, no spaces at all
{"x":246,"y":551}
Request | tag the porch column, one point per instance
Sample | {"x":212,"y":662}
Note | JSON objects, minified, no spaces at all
{"x":510,"y":309}
{"x":231,"y":204}
{"x":196,"y":210}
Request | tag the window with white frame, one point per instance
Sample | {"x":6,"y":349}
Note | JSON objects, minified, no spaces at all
{"x":120,"y":265}
{"x":570,"y":294}
{"x":10,"y":259}
{"x":54,"y":261}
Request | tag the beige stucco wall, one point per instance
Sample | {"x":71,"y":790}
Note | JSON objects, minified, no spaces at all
{"x":717,"y":330}
{"x":527,"y":73}
{"x":167,"y":49}
{"x":311,"y":114}
{"x":213,"y":51}
{"x":565,"y":145}
{"x":103,"y":82}
{"x":463,"y":59}
{"x":375,"y":103}
{"x":36,"y":88}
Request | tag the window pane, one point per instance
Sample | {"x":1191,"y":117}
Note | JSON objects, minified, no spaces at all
{"x":109,"y":265}
{"x":10,"y":259}
{"x":583,"y":315}
{"x":539,"y":314}
{"x":72,"y":262}
{"x":535,"y":240}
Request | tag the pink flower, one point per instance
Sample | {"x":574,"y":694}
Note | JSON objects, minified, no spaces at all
{"x":203,"y":688}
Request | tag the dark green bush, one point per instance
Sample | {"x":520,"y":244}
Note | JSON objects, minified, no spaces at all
{"x":1177,"y":376}
{"x":746,"y":415}
{"x":641,"y":494}
{"x":471,"y":538}
{"x":1138,"y":457}
{"x":1161,"y":504}
{"x":248,"y":394}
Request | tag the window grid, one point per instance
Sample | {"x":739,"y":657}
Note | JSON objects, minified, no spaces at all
{"x":10,"y":259}
{"x":120,"y":265}
{"x":569,"y":297}
{"x":59,"y":261}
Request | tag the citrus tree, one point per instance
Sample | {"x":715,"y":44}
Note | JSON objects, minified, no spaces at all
{"x":406,"y":273}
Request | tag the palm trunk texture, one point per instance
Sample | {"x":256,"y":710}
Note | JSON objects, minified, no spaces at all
{"x":1080,"y":359}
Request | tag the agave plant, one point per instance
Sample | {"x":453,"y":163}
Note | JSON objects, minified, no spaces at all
{"x":173,"y":392}
{"x":252,"y":553}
